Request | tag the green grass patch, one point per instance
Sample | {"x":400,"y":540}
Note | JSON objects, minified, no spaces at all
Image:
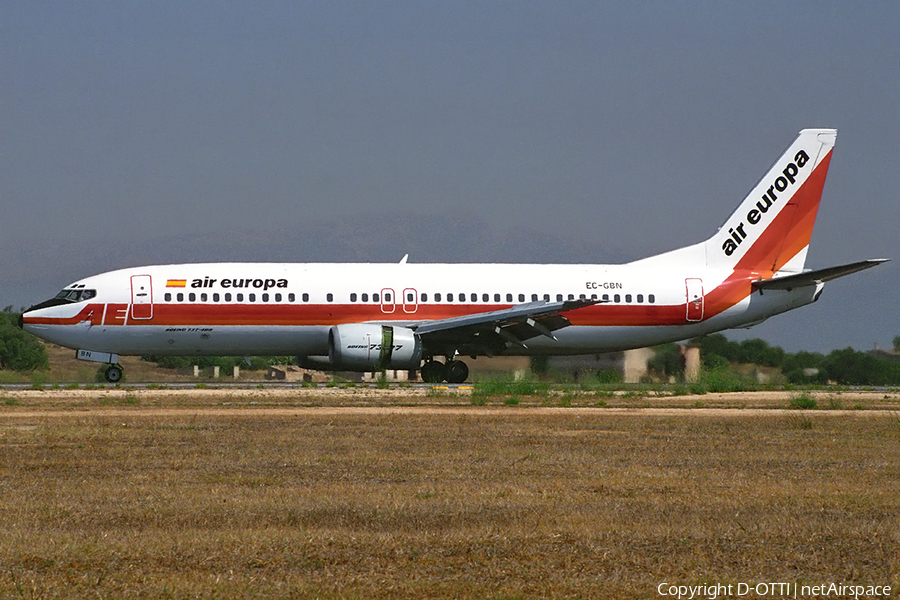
{"x":508,"y":387}
{"x":38,"y":380}
{"x":802,"y":401}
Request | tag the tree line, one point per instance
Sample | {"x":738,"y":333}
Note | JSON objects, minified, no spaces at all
{"x":845,"y":366}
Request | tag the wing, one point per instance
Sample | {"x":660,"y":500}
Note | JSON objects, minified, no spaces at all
{"x":789,"y":282}
{"x":490,"y":333}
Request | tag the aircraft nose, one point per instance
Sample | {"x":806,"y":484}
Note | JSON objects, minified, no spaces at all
{"x":22,"y":320}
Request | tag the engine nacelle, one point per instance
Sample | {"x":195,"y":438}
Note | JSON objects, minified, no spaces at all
{"x":365,"y":347}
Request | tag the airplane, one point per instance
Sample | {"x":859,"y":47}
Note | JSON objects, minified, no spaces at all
{"x":371,"y":317}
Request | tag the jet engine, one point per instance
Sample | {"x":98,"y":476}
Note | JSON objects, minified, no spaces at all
{"x":365,"y":347}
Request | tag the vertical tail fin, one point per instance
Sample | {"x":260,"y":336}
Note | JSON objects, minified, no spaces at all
{"x":771,"y":229}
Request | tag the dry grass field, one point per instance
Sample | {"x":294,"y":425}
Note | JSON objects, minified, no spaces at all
{"x":142,"y":495}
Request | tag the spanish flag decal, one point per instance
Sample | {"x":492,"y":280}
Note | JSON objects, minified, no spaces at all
{"x":176,"y":283}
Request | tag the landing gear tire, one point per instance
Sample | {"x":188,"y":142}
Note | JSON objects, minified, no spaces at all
{"x":457,"y":371}
{"x":433,"y":371}
{"x":114,"y":374}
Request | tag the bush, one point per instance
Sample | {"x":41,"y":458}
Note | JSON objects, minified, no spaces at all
{"x":19,"y":350}
{"x":722,"y":379}
{"x":667,"y":361}
{"x":609,"y":377}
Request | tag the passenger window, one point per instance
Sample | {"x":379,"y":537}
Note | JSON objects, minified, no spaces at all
{"x":203,"y":297}
{"x":365,"y":297}
{"x":329,"y":297}
{"x":485,"y":297}
{"x":192,"y":297}
{"x":292,"y":297}
{"x":521,"y":297}
{"x":180,"y":297}
{"x":216,"y":297}
{"x":228,"y":297}
{"x":353,"y":297}
{"x":450,"y":297}
{"x":559,"y":297}
{"x":547,"y":297}
{"x":474,"y":297}
{"x":616,"y":298}
{"x":239,"y":297}
{"x":424,"y":297}
{"x":509,"y":298}
{"x":593,"y":296}
{"x":265,"y":297}
{"x":251,"y":297}
{"x":640,"y":298}
{"x":606,"y":297}
{"x":168,"y":297}
{"x":387,"y":297}
{"x":534,"y":297}
{"x":277,"y":297}
{"x":437,"y":297}
{"x":410,"y":297}
{"x":627,"y":297}
{"x":651,"y":298}
{"x":305,"y":297}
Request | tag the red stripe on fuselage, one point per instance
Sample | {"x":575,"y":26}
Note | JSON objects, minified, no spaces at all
{"x":194,"y":315}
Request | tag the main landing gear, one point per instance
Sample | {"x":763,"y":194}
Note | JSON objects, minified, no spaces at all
{"x":434,"y":371}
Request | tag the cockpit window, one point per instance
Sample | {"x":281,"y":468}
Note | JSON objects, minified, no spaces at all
{"x":76,"y":295}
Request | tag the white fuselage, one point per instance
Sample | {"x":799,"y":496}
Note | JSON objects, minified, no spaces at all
{"x":278,"y":309}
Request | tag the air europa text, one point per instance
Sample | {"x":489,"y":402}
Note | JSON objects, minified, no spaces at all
{"x":264,"y":284}
{"x":787,"y":178}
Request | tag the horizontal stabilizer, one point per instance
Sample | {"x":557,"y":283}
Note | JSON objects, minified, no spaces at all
{"x":789,"y":282}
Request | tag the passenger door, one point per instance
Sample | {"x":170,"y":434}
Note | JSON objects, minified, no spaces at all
{"x":141,"y":297}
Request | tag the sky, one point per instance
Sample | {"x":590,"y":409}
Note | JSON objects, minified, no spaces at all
{"x":576,"y":132}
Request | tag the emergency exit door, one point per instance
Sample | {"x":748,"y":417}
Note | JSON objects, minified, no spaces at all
{"x":694,"y":288}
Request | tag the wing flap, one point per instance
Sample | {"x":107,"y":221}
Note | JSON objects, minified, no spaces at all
{"x":491,"y":331}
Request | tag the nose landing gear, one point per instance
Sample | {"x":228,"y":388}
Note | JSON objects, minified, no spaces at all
{"x":114,"y":373}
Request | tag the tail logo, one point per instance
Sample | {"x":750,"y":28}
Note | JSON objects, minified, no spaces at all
{"x":755,"y":215}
